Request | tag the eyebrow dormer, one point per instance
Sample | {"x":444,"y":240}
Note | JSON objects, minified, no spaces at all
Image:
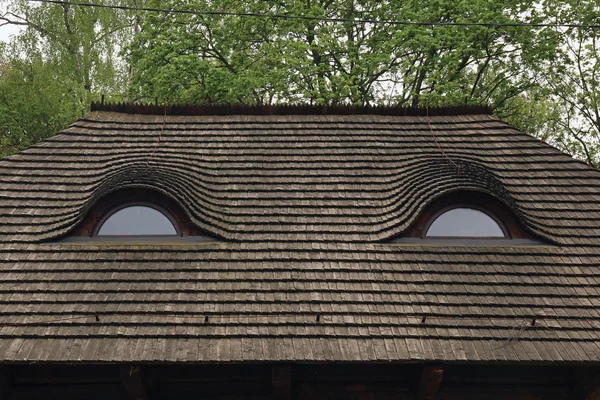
{"x":464,"y":216}
{"x":137,"y":214}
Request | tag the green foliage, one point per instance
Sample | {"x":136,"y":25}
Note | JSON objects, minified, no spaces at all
{"x":223,"y":59}
{"x":35,"y":102}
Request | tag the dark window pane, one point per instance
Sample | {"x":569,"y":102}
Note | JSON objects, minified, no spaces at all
{"x":137,"y":220}
{"x":465,"y":222}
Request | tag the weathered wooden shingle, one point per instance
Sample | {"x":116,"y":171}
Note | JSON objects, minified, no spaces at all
{"x":304,"y":204}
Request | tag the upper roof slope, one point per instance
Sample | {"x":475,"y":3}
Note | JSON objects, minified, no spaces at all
{"x":348,"y":178}
{"x":304,"y":202}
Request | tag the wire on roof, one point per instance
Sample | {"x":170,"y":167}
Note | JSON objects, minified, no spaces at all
{"x":522,"y":321}
{"x":437,"y":143}
{"x":158,"y":140}
{"x":324,"y":19}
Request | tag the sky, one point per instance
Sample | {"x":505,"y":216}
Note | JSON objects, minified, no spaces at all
{"x":7,"y":30}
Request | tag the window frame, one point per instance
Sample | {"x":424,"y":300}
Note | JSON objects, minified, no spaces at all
{"x":134,"y":203}
{"x":470,"y":206}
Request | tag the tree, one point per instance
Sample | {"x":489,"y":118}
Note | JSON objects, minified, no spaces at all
{"x":228,"y":58}
{"x":60,"y":62}
{"x":572,"y":82}
{"x":35,"y":102}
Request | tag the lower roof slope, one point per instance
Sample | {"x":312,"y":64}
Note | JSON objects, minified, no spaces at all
{"x":298,"y":302}
{"x":303,"y":203}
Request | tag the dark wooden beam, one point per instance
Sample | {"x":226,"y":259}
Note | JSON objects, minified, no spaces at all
{"x":133,"y":380}
{"x":281,"y":381}
{"x":431,"y":378}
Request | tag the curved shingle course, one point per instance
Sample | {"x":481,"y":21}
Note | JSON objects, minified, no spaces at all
{"x":342,"y":177}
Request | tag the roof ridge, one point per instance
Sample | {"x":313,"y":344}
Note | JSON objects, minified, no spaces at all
{"x":289,"y":109}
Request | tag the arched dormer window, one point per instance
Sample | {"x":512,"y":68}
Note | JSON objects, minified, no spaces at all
{"x":466,"y":217}
{"x":466,"y":221}
{"x":137,"y":214}
{"x":135,"y":219}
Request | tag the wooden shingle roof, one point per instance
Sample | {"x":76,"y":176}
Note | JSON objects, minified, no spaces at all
{"x":305,"y":206}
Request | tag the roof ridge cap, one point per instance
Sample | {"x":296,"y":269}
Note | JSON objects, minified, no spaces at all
{"x":290,"y":109}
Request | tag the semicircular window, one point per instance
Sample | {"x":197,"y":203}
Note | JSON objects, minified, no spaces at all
{"x":137,"y":220}
{"x":465,"y":222}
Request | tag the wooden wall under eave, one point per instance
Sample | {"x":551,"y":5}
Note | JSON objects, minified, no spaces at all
{"x":226,"y":382}
{"x":507,"y":383}
{"x":64,"y":382}
{"x":400,"y":382}
{"x":306,"y":381}
{"x":106,"y":382}
{"x":355,"y":382}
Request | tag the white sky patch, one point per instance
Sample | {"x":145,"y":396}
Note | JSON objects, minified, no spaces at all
{"x":6,"y":31}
